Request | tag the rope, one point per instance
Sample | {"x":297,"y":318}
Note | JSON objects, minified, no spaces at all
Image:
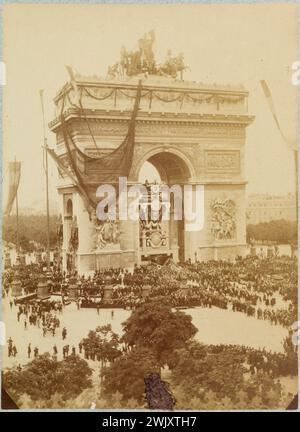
{"x":98,"y":97}
{"x":167,"y":100}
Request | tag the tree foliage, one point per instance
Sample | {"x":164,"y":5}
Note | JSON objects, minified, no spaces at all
{"x":43,"y":377}
{"x":155,"y":326}
{"x":281,"y":231}
{"x":203,"y":378}
{"x":151,"y":335}
{"x":126,"y":375}
{"x":31,"y":228}
{"x":261,"y":392}
{"x":104,"y":343}
{"x":198,"y":371}
{"x":291,"y":352}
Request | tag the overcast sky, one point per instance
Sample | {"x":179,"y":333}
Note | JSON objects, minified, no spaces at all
{"x":235,"y":44}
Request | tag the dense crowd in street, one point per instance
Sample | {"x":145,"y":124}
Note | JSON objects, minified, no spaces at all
{"x":250,"y":285}
{"x":256,"y":361}
{"x":265,"y":289}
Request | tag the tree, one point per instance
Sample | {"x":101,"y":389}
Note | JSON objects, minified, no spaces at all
{"x":208,"y":377}
{"x":104,"y":343}
{"x":291,"y":353}
{"x":43,"y":377}
{"x":154,"y":325}
{"x":127,"y":374}
{"x":197,"y":371}
{"x":281,"y":231}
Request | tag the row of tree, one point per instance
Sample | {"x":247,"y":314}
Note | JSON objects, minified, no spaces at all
{"x":32,"y":229}
{"x":281,"y":231}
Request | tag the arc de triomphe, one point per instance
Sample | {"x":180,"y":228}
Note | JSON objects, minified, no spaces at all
{"x":192,"y":133}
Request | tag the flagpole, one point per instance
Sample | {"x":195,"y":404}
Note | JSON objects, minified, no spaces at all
{"x":17,"y":214}
{"x":47,"y":181}
{"x":296,"y":180}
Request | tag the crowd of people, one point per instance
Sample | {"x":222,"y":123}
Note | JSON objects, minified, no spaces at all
{"x":263,"y":288}
{"x":258,"y":360}
{"x":248,"y":285}
{"x":39,"y":313}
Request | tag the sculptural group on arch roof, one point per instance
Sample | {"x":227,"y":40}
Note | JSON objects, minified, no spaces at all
{"x":143,"y":61}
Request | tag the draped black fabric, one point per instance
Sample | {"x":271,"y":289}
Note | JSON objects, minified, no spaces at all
{"x":88,"y":202}
{"x":119,"y":159}
{"x":108,"y":168}
{"x":73,"y":162}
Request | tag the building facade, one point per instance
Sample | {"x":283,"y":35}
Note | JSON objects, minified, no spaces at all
{"x":265,"y":208}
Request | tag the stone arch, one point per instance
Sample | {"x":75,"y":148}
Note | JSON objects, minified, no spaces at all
{"x":171,"y":163}
{"x":174,"y":168}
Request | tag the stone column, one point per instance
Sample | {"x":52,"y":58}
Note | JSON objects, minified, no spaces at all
{"x":193,"y":220}
{"x":173,"y":236}
{"x":129,"y":241}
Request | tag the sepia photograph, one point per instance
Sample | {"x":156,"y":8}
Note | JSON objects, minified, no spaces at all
{"x":149,"y":207}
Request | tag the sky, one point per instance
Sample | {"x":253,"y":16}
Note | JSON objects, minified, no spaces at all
{"x":224,"y":44}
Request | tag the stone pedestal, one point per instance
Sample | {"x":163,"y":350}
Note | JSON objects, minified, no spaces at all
{"x":22,"y":259}
{"x":73,"y":288}
{"x":108,"y":292}
{"x":270,"y":252}
{"x":16,"y":288}
{"x":18,"y":261}
{"x":49,"y":281}
{"x":253,"y":251}
{"x":42,"y":288}
{"x":38,"y":257}
{"x":7,"y":260}
{"x":146,"y":291}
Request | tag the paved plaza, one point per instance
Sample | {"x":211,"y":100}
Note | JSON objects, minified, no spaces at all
{"x":215,"y":326}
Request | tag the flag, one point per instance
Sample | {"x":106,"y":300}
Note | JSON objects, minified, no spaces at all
{"x":271,"y":105}
{"x":14,"y":180}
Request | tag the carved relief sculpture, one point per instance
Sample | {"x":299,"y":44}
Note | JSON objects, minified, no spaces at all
{"x":107,"y":233}
{"x":223,"y":219}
